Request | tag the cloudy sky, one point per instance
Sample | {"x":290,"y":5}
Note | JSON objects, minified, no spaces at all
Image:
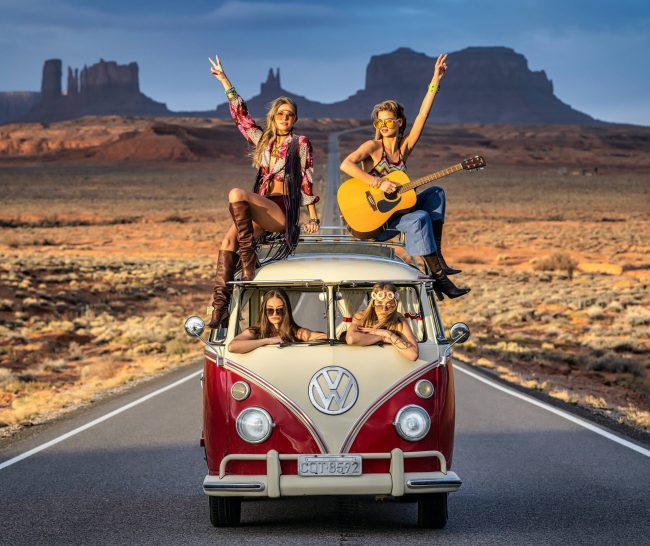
{"x":595,"y":51}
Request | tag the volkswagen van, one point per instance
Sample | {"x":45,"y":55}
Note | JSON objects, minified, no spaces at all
{"x":323,"y":417}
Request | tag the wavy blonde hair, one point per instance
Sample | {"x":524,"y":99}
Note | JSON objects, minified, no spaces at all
{"x":369,"y":319}
{"x":269,"y":128}
{"x":394,"y":108}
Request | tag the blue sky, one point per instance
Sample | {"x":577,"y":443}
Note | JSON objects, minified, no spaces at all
{"x":594,"y":51}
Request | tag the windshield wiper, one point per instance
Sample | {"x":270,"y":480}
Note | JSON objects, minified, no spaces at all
{"x":313,"y":343}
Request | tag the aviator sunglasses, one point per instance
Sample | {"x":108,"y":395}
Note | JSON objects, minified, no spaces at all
{"x":390,"y":123}
{"x":270,"y":311}
{"x":285,"y":115}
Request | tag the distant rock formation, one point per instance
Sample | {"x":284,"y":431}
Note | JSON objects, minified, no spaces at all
{"x":14,"y":104}
{"x":483,"y":85}
{"x":104,"y":88}
{"x":51,"y":81}
{"x":272,"y":89}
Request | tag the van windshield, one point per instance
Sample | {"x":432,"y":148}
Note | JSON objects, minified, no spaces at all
{"x":308,"y":307}
{"x":351,"y":300}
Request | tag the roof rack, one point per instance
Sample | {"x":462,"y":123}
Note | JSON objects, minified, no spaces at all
{"x":336,"y":240}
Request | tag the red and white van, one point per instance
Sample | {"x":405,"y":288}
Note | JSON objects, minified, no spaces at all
{"x":326,"y":418}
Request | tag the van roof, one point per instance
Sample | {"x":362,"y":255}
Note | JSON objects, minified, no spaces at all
{"x":330,"y":267}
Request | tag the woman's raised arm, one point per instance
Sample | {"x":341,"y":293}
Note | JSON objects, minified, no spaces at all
{"x":238,"y":109}
{"x":418,"y":124}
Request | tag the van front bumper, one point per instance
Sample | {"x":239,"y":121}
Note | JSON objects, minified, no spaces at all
{"x":274,"y":484}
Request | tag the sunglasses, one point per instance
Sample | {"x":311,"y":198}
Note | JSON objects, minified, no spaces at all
{"x":285,"y":115}
{"x":390,"y":123}
{"x":270,"y":311}
{"x":386,"y":305}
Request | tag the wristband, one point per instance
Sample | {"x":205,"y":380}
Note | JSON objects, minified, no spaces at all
{"x":229,"y":91}
{"x":434,"y":88}
{"x":314,"y":221}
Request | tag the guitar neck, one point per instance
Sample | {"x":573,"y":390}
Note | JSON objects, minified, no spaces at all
{"x":430,"y":178}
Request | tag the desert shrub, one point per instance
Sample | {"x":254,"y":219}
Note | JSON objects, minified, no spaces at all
{"x":637,"y":315}
{"x":611,"y":362}
{"x":595,"y":312}
{"x":557,"y":262}
{"x":471,"y":260}
{"x":6,"y":376}
{"x":176,"y":218}
{"x":615,"y":306}
{"x":177,"y":347}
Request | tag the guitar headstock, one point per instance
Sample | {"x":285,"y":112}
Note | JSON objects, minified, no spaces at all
{"x":476,"y":162}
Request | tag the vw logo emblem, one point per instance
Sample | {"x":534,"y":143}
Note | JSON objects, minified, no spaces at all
{"x":333,"y":390}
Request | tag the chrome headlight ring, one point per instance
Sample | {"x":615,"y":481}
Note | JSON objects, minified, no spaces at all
{"x":254,"y":425}
{"x":412,"y":422}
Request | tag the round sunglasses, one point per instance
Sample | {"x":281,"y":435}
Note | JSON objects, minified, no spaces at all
{"x":390,"y":123}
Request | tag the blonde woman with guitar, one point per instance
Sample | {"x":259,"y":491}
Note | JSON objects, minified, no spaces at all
{"x":387,"y":153}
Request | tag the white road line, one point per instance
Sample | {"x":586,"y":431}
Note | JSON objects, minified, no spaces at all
{"x":96,"y":421}
{"x":569,"y":417}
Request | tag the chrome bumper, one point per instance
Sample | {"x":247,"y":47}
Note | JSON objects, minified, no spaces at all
{"x":273,"y":484}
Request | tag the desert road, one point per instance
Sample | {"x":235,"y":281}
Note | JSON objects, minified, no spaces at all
{"x":529,"y":477}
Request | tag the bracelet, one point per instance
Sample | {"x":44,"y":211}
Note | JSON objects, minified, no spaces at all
{"x":314,"y":221}
{"x":434,"y":88}
{"x":231,"y":90}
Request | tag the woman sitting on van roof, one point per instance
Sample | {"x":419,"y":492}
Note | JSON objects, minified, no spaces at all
{"x":275,"y":326}
{"x":284,"y":165}
{"x":380,"y":322}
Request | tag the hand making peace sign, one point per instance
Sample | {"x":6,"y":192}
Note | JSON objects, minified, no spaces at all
{"x":441,"y":68}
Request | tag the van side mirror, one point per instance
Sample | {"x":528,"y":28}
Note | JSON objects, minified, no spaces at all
{"x":459,"y":333}
{"x":194,"y":327}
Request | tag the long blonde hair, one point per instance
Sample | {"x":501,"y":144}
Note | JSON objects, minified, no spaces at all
{"x":369,"y":319}
{"x":394,"y":108}
{"x":269,"y":128}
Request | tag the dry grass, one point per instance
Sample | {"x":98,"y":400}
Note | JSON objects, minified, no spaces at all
{"x":101,"y":264}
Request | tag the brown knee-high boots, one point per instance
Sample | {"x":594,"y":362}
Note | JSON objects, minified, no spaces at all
{"x":226,"y":264}
{"x":243,"y":219}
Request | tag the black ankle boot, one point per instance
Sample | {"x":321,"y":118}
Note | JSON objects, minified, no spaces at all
{"x":437,"y":235}
{"x":441,"y":283}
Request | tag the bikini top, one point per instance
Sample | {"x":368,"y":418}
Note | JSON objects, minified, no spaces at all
{"x":384,"y":166}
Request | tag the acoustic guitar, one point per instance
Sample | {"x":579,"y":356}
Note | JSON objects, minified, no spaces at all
{"x":366,"y":210}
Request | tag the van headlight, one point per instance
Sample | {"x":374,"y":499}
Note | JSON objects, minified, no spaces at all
{"x":254,"y":425}
{"x":412,"y":423}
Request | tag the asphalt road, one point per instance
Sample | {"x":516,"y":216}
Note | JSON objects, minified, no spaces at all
{"x":530,"y":477}
{"x":331,"y":214}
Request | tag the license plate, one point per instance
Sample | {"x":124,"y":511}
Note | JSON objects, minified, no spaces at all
{"x":327,"y":465}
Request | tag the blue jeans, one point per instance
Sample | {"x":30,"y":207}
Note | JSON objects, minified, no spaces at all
{"x":417,"y":224}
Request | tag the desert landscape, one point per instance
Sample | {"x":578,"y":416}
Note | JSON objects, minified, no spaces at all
{"x":109,"y":228}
